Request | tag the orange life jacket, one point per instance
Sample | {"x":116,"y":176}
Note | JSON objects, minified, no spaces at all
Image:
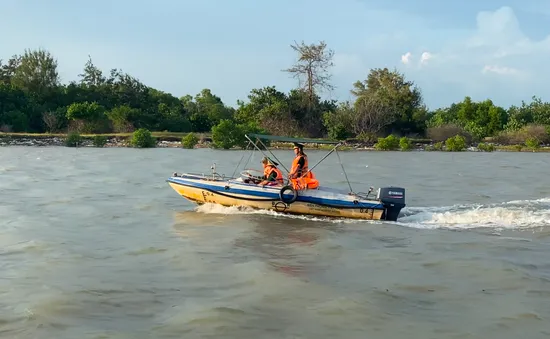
{"x":303,"y":181}
{"x":304,"y":169}
{"x":269,"y":169}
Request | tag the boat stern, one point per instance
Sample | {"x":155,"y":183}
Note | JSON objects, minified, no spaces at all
{"x":393,"y":199}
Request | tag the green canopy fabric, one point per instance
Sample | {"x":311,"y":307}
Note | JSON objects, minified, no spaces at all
{"x":288,"y":139}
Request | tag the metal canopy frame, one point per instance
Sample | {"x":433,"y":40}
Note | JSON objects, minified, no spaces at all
{"x":289,"y":139}
{"x":298,"y":140}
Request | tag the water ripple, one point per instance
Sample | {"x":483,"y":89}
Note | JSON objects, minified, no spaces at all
{"x":92,"y":249}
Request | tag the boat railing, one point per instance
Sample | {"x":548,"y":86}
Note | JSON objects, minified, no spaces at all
{"x":203,"y":176}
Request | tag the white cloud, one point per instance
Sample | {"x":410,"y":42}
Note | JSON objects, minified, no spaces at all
{"x":425,"y":57}
{"x":477,"y":62}
{"x":406,"y":58}
{"x":499,"y":39}
{"x":346,"y":63}
{"x":502,"y":70}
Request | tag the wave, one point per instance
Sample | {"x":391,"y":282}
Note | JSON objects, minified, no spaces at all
{"x":516,"y":214}
{"x":209,"y":208}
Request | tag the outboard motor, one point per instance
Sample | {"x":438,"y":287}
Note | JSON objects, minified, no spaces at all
{"x":393,"y":199}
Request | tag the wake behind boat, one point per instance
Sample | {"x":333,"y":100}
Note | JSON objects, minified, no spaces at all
{"x":292,"y":195}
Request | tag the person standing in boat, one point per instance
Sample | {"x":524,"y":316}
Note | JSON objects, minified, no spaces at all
{"x":272,"y":175}
{"x":299,"y":172}
{"x":299,"y":164}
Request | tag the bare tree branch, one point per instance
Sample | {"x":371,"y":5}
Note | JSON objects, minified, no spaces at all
{"x":50,"y":120}
{"x":312,"y":67}
{"x":372,"y":115}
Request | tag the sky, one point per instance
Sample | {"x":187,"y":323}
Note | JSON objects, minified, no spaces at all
{"x":498,"y":50}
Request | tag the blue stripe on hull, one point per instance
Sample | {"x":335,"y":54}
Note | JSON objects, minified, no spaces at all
{"x":275,"y":195}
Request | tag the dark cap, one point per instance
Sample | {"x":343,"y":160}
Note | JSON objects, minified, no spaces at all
{"x":297,"y":145}
{"x":267,"y":160}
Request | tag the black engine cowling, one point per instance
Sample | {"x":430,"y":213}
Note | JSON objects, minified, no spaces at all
{"x":393,"y":199}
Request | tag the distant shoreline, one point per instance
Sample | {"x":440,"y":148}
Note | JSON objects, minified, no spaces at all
{"x":173,"y":140}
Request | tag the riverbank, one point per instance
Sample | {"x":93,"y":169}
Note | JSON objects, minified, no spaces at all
{"x":87,"y":140}
{"x":173,"y":140}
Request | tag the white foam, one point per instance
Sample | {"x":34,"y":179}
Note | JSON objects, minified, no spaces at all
{"x":517,"y":214}
{"x":209,"y":208}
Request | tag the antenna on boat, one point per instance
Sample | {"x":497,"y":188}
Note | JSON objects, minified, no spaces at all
{"x":237,"y":167}
{"x":213,"y":168}
{"x":344,"y":170}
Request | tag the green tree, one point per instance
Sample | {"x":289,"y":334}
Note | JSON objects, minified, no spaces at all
{"x":270,"y":110}
{"x":13,"y":105}
{"x":87,"y":116}
{"x":36,"y":72}
{"x":479,"y":119}
{"x":88,"y":111}
{"x":401,"y":98}
{"x":32,"y":99}
{"x":92,"y":76}
{"x":227,"y":134}
{"x":7,"y":70}
{"x":258,"y":100}
{"x":498,"y":118}
{"x":120,"y":117}
{"x":206,"y":110}
{"x":339,"y":123}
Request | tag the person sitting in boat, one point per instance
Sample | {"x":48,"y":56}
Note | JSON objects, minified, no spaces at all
{"x":300,"y":175}
{"x":272,"y":175}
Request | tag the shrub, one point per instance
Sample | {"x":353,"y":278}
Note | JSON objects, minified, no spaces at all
{"x":438,"y":146}
{"x":538,"y":132}
{"x":485,"y":147}
{"x":99,"y":140}
{"x":405,"y":144}
{"x":338,"y":132}
{"x":475,"y":131}
{"x":532,"y":142}
{"x":444,"y":132}
{"x":189,"y":141}
{"x":142,"y":138}
{"x":73,"y":139}
{"x":388,"y":143}
{"x":366,"y":137}
{"x":520,"y":136}
{"x":456,"y":143}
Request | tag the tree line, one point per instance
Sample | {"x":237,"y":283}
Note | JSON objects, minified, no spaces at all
{"x":33,"y":100}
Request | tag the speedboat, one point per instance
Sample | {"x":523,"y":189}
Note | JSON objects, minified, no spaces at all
{"x":383,"y":204}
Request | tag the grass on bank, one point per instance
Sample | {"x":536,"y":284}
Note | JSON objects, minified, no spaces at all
{"x":164,"y":136}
